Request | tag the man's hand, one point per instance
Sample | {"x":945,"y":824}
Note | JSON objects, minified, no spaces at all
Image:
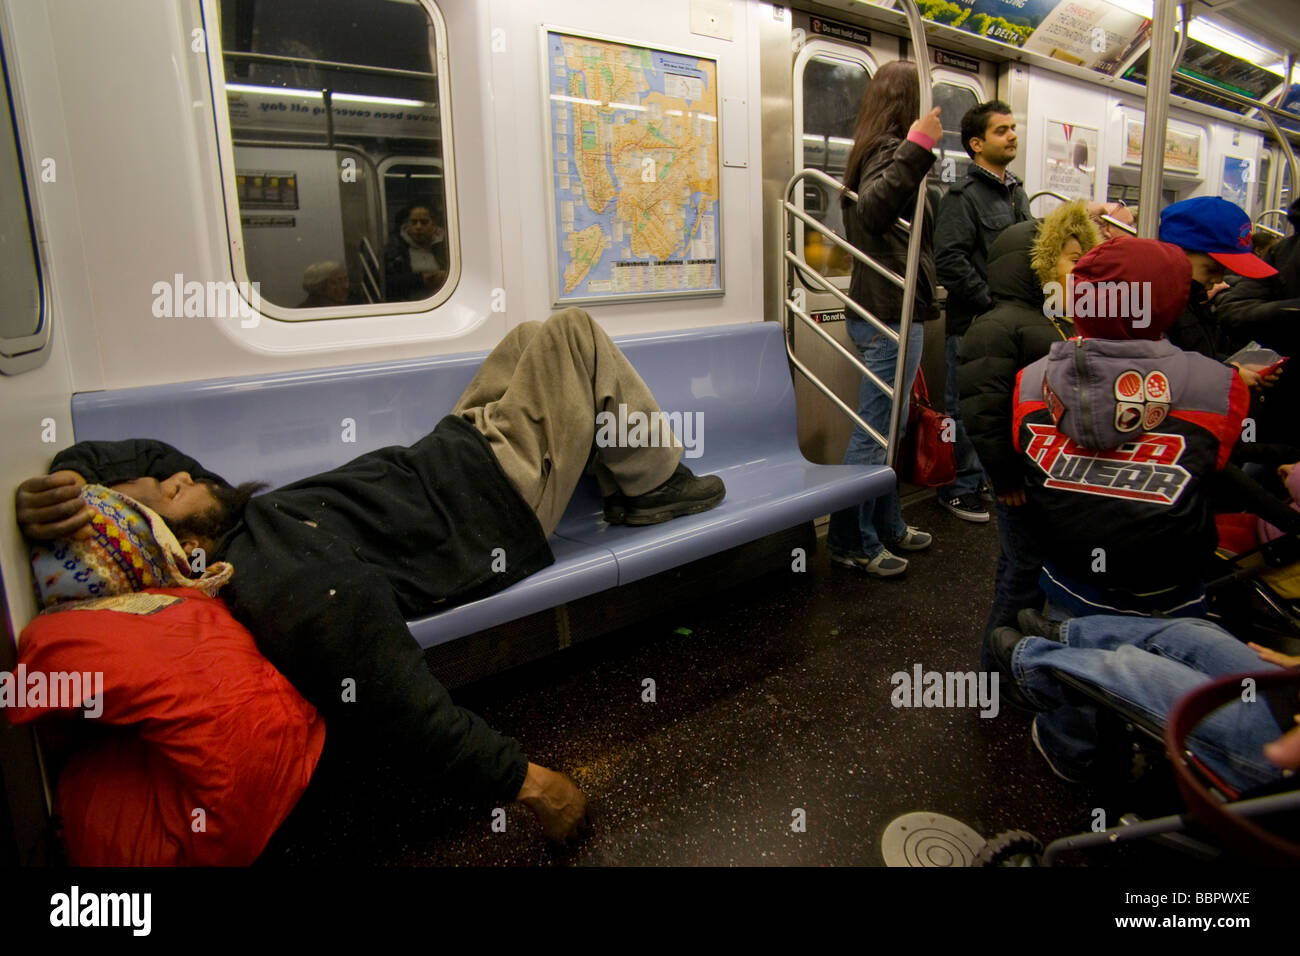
{"x":556,"y":801}
{"x":1013,"y":499}
{"x":50,"y":507}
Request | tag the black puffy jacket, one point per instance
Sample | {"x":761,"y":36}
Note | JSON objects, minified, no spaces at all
{"x":891,"y":175}
{"x":1002,"y":341}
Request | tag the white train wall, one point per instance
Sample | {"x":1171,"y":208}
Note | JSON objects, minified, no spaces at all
{"x":1052,"y":96}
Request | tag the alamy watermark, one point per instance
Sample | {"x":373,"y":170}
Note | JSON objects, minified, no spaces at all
{"x":130,"y":910}
{"x":208,"y":300}
{"x":59,"y":690}
{"x":1089,"y":300}
{"x":923,"y":688}
{"x":638,"y":429}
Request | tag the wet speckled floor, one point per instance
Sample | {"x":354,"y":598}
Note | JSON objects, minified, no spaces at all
{"x":777,"y":700}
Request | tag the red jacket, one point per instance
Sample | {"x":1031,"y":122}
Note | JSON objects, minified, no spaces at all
{"x":1117,"y":438}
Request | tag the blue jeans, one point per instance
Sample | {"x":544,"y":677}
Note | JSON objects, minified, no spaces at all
{"x":1146,"y":663}
{"x":969,"y":470}
{"x":860,"y":531}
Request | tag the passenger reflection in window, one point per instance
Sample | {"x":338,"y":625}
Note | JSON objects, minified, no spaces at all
{"x":326,"y":285}
{"x":415,"y":259}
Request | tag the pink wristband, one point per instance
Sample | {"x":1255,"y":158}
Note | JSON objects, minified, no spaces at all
{"x":920,"y":139}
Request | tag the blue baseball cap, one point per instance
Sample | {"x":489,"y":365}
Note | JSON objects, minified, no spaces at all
{"x":1219,"y":229}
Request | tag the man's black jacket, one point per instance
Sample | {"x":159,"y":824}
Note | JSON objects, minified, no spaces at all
{"x":329,"y":569}
{"x":1268,"y":310}
{"x":971,"y":214}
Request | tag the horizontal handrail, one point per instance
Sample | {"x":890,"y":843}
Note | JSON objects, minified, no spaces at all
{"x":1104,"y":217}
{"x":827,"y":286}
{"x":1273,"y":212}
{"x":853,"y":359}
{"x":822,"y":387}
{"x":848,"y":247}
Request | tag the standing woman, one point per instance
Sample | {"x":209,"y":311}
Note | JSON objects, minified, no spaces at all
{"x":890,"y":159}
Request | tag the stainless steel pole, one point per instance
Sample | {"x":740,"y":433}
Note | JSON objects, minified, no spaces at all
{"x":921,"y":51}
{"x":1160,"y":65}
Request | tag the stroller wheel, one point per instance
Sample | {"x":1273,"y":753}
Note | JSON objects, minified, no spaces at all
{"x":1012,"y":848}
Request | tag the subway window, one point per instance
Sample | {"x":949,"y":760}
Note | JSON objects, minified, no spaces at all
{"x":1263,"y":174}
{"x":954,"y":102}
{"x":830,"y":88}
{"x":341,"y":151}
{"x":24,"y":337}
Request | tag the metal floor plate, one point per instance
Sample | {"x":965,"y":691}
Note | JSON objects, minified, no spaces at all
{"x":929,"y":839}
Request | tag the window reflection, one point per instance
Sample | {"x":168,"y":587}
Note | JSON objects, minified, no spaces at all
{"x":832,"y":92}
{"x":322,"y":95}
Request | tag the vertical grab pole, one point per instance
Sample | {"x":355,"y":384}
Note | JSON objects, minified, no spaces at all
{"x":901,"y":401}
{"x":1160,"y":68}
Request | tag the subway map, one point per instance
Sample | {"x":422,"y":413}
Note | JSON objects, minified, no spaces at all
{"x":634,"y":160}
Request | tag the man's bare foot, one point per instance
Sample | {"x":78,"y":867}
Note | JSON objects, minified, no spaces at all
{"x":556,"y":801}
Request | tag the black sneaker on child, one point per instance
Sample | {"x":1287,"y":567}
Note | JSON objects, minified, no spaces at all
{"x":967,"y":507}
{"x":1001,"y":645}
{"x":1032,"y":622}
{"x":681,"y":494}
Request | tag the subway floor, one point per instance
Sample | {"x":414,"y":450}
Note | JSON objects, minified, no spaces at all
{"x":772,"y":737}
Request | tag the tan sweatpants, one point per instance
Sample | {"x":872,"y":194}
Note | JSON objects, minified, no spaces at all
{"x":536,"y":398}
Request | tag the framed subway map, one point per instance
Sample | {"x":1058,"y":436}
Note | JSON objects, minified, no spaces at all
{"x":632,"y":135}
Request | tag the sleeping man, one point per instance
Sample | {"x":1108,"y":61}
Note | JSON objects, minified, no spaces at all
{"x":329,"y":569}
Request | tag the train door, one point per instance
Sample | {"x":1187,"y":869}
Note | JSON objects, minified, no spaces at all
{"x":831,"y":72}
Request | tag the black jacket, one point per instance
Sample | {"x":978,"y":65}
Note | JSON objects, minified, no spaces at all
{"x":1013,"y":334}
{"x":891,"y":175}
{"x":402,"y":283}
{"x":1197,"y":329}
{"x":329,"y":569}
{"x":1268,"y":310}
{"x":971,"y":214}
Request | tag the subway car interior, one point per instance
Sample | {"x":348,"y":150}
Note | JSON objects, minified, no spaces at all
{"x":281,"y":235}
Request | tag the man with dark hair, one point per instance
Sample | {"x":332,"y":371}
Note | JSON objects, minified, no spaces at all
{"x":329,"y":569}
{"x":971,"y":214}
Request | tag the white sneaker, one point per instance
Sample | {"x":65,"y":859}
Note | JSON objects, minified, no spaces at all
{"x":883,"y":565}
{"x":914,"y":539}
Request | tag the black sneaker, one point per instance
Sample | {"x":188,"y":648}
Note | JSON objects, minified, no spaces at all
{"x":967,"y":508}
{"x":682,"y":494}
{"x":615,"y":508}
{"x":986,"y":493}
{"x":1032,"y":622}
{"x":1001,"y":645}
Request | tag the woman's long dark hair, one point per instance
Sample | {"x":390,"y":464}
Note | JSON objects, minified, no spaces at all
{"x":890,"y":105}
